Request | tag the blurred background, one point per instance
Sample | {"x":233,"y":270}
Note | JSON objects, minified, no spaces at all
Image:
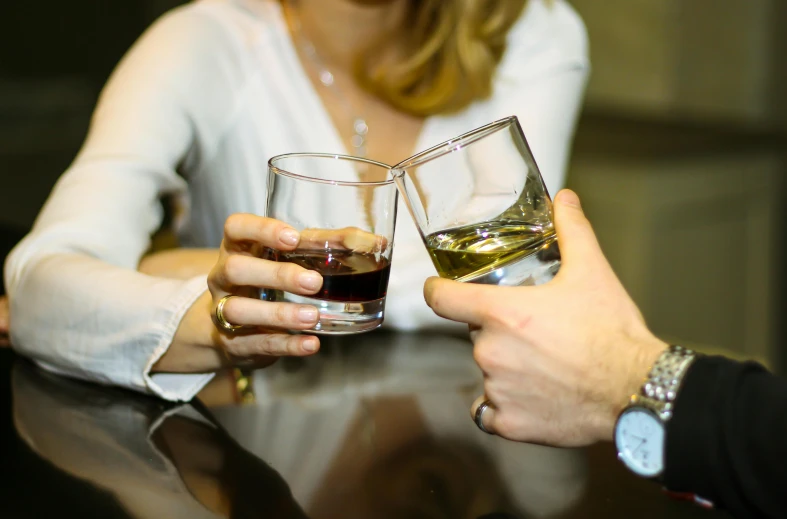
{"x":679,"y":155}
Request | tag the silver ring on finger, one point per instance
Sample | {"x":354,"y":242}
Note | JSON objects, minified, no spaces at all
{"x":479,"y":415}
{"x":222,"y":321}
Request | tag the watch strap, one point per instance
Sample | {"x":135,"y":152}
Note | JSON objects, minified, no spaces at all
{"x":660,"y":389}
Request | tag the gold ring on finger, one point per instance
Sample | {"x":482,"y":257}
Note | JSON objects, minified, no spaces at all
{"x":222,"y":321}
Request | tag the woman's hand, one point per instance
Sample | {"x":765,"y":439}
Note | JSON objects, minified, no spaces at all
{"x":561,"y":359}
{"x":200,"y":346}
{"x":4,"y":323}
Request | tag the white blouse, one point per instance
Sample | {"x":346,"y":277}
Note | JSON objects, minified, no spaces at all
{"x":206,"y":96}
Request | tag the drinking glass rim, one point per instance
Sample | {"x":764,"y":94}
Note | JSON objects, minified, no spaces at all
{"x":284,"y":172}
{"x":451,"y":145}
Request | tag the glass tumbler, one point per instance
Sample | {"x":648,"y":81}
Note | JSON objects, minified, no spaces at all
{"x":482,"y":208}
{"x":345,"y":210}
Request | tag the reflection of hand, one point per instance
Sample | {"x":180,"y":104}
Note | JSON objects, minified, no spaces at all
{"x":559,"y":359}
{"x":347,"y":238}
{"x":4,"y":322}
{"x":199,"y":346}
{"x":223,"y":477}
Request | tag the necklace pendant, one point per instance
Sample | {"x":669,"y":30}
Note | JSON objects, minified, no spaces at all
{"x":326,"y":78}
{"x":357,"y":141}
{"x":360,"y":126}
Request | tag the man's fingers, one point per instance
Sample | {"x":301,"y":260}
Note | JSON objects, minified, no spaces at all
{"x":241,"y":230}
{"x":487,"y":417}
{"x":578,"y":244}
{"x":464,"y":302}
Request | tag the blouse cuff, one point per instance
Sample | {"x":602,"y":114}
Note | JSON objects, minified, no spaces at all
{"x":176,"y":386}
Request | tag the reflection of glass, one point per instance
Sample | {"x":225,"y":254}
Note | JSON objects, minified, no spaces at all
{"x":487,"y":217}
{"x":345,"y":209}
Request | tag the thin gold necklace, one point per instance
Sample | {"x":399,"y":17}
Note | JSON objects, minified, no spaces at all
{"x":360,"y":128}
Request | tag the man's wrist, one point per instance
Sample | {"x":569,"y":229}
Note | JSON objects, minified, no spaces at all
{"x":645,"y":356}
{"x":640,"y":356}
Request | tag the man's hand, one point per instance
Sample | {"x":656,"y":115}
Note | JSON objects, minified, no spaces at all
{"x":561,"y":359}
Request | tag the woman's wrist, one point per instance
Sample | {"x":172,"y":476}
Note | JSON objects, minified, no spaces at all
{"x":193,"y":348}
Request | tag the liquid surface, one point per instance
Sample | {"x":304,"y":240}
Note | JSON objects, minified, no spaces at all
{"x":469,"y":252}
{"x":347,"y":275}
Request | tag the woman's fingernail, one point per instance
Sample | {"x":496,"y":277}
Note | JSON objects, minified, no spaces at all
{"x":289,"y":236}
{"x":310,"y":345}
{"x":310,"y":280}
{"x":308,"y":314}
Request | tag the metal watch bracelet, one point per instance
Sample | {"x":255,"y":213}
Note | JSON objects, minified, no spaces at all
{"x":661,"y":387}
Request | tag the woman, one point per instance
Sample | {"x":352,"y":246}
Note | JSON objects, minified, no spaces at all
{"x":195,"y":110}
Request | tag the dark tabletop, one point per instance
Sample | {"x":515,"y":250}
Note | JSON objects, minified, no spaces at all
{"x":373,"y":427}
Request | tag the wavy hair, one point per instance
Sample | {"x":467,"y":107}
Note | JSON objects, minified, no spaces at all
{"x":452,"y":49}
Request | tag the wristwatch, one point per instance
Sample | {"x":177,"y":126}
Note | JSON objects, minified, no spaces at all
{"x":640,"y":431}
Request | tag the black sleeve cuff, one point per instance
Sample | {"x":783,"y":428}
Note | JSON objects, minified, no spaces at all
{"x":725,"y":441}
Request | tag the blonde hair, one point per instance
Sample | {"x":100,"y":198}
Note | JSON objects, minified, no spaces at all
{"x":452,"y":49}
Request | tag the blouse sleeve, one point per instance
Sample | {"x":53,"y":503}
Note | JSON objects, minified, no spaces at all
{"x":78,"y":305}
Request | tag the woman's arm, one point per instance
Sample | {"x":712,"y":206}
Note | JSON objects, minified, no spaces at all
{"x":176,"y":264}
{"x":78,"y":304}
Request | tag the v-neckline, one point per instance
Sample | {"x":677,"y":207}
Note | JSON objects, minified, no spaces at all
{"x":301,"y":76}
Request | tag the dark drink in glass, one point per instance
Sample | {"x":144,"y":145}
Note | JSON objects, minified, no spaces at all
{"x":348,"y":276}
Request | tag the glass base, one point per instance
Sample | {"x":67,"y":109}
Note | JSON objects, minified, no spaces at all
{"x":336,"y":317}
{"x":535,"y":269}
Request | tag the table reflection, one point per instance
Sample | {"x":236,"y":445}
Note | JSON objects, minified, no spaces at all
{"x":379,"y":426}
{"x":157,"y":460}
{"x":373,"y":427}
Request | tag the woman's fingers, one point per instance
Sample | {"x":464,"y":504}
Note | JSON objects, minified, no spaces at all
{"x":271,"y":344}
{"x":237,"y":270}
{"x":346,"y":238}
{"x":241,"y":231}
{"x":244,"y":311}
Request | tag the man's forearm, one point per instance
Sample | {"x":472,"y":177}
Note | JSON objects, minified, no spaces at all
{"x":727,"y":441}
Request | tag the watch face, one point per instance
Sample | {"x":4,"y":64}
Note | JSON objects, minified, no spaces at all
{"x":639,"y":436}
